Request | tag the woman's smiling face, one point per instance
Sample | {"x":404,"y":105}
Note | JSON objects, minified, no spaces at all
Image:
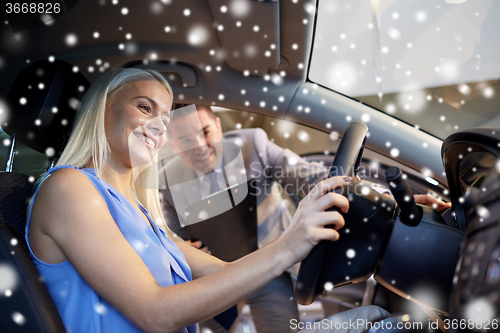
{"x":136,"y":121}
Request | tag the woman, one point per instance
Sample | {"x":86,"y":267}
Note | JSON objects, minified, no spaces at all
{"x":92,"y":234}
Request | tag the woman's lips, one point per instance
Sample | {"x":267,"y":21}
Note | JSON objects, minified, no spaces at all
{"x":151,"y":143}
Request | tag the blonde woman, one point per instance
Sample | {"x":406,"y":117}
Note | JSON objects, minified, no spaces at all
{"x":92,"y":233}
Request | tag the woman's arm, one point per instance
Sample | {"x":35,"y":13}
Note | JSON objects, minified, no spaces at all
{"x":201,"y":263}
{"x":71,"y":212}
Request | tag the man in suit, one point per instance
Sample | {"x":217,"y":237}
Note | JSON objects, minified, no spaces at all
{"x":203,"y":158}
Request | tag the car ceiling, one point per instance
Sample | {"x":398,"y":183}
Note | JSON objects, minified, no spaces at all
{"x":206,"y":56}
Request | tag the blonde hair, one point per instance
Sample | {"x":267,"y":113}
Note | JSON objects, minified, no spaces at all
{"x":88,"y":142}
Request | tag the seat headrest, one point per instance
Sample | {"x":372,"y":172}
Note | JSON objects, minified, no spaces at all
{"x":42,"y":104}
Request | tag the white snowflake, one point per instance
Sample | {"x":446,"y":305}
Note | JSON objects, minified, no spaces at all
{"x":71,"y":39}
{"x":198,"y":35}
{"x":394,"y":33}
{"x":18,"y":318}
{"x":8,"y":278}
{"x":303,"y":136}
{"x":47,"y":19}
{"x":239,"y":9}
{"x":74,"y":103}
{"x":421,"y":16}
{"x":483,"y":212}
{"x":394,"y":152}
{"x":309,"y":8}
{"x":480,"y":310}
{"x":50,"y":151}
{"x":488,"y":92}
{"x":203,"y":215}
{"x":100,"y":308}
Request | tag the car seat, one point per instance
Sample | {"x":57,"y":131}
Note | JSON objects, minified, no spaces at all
{"x":41,"y":107}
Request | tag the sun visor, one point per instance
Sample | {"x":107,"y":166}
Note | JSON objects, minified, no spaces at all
{"x":249,"y":33}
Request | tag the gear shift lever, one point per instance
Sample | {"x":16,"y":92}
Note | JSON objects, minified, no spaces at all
{"x":411,"y":214}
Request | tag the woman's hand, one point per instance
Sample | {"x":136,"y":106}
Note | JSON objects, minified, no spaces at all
{"x":426,"y":199}
{"x":429,"y":200}
{"x":307,"y":227}
{"x":199,"y":245}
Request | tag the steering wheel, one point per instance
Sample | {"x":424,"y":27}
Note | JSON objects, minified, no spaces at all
{"x":354,"y":256}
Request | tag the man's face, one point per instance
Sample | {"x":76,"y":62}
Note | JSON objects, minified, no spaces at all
{"x":196,"y":138}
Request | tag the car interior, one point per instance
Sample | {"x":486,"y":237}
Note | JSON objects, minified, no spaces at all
{"x":403,"y":94}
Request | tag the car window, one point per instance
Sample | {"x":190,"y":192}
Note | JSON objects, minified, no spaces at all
{"x":314,"y":144}
{"x":433,"y":64}
{"x":26,"y":160}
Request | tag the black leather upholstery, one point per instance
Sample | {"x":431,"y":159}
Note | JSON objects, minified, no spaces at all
{"x":15,"y":191}
{"x":27,"y":305}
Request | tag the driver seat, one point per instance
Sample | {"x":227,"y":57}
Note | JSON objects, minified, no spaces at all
{"x":43,"y":123}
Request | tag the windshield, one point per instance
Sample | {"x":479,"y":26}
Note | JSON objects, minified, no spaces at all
{"x":433,"y":64}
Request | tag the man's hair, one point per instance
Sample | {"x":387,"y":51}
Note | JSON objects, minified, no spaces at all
{"x":180,"y":111}
{"x":207,"y":109}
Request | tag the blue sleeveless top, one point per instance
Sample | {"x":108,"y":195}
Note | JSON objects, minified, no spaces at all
{"x":81,"y":309}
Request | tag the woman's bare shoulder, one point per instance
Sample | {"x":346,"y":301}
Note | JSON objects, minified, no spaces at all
{"x":64,"y":179}
{"x":67,"y":204}
{"x":65,"y":194}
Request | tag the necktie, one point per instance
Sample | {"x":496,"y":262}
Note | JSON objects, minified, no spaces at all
{"x":214,"y":185}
